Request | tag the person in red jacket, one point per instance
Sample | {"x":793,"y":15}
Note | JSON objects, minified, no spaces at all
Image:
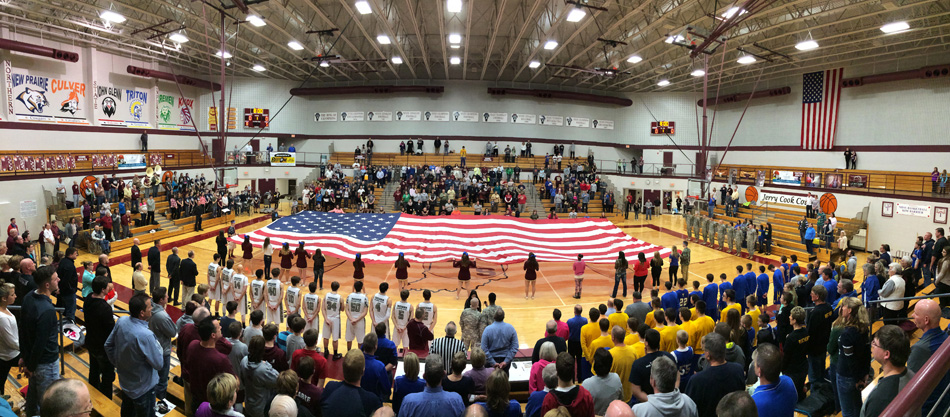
{"x":575,"y":398}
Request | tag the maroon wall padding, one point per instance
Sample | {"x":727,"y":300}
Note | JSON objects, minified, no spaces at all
{"x":181,"y":79}
{"x":29,"y":48}
{"x":561,"y":95}
{"x":935,"y":71}
{"x":369,"y":89}
{"x":733,"y":98}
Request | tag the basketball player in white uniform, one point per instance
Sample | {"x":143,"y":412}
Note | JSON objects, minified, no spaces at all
{"x":292,"y":297}
{"x":431,"y":312}
{"x":382,"y":308}
{"x":274,"y":295}
{"x":402,"y":312}
{"x":332,"y":306}
{"x":214,"y":283}
{"x":239,"y":291}
{"x":357,"y":306}
{"x":257,"y":291}
{"x":227,"y":274}
{"x":311,"y":308}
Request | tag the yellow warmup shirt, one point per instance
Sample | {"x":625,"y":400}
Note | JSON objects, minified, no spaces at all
{"x":699,"y":329}
{"x":600,"y":342}
{"x":668,"y":338}
{"x":618,"y":319}
{"x":623,"y":363}
{"x":725,"y":312}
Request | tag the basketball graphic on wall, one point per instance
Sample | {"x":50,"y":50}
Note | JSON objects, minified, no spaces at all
{"x":828,"y":203}
{"x":751,"y":194}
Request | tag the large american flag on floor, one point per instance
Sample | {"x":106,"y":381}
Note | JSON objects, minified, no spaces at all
{"x":495,"y":239}
{"x":821,"y":93}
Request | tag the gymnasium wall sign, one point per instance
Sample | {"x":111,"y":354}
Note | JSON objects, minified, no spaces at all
{"x":408,"y":115}
{"x":283,"y":159}
{"x":174,"y":112}
{"x":792,"y":178}
{"x":325,"y":117}
{"x":35,"y":98}
{"x":465,"y":116}
{"x":352,"y":116}
{"x":915,"y":210}
{"x":436,"y":116}
{"x":379,"y":116}
{"x":572,"y":121}
{"x":116,"y":106}
{"x":549,"y":120}
{"x":524,"y":119}
{"x":602,"y":124}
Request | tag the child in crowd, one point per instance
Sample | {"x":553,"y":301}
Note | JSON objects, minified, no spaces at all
{"x":685,"y":358}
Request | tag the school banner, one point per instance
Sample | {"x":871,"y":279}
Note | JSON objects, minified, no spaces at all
{"x":325,"y":117}
{"x":283,"y":159}
{"x":577,"y":121}
{"x":352,"y":116}
{"x":913,"y":210}
{"x":379,"y":116}
{"x":793,"y":178}
{"x":524,"y":119}
{"x":174,"y":112}
{"x":130,"y":161}
{"x":549,"y":120}
{"x":408,"y":115}
{"x":465,"y":116}
{"x":489,"y":117}
{"x":116,"y":106}
{"x":436,"y":116}
{"x":602,"y":124}
{"x":34,"y":98}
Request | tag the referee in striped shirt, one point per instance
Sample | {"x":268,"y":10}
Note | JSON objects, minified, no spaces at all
{"x":447,"y":346}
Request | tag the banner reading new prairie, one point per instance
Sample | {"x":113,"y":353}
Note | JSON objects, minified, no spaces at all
{"x":37,"y":98}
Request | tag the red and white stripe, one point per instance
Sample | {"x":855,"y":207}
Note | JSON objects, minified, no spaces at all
{"x":494,"y":239}
{"x":820,"y":119}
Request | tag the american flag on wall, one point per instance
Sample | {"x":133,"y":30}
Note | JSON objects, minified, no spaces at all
{"x":495,"y":239}
{"x":821,"y":94}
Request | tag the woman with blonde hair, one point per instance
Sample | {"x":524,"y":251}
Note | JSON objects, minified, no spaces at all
{"x":409,"y":383}
{"x":222,"y":394}
{"x":498,"y":403}
{"x":9,"y":333}
{"x":479,"y":373}
{"x":547,"y":355}
{"x":854,"y":354}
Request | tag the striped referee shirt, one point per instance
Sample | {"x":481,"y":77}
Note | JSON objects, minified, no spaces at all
{"x":446,"y":347}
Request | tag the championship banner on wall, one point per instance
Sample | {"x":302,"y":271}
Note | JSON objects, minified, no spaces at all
{"x":352,"y":116}
{"x":602,"y":124}
{"x":495,"y":117}
{"x":130,"y":161}
{"x":548,"y":120}
{"x":115,"y":106}
{"x":912,"y":210}
{"x":524,"y":119}
{"x":213,"y":118}
{"x":379,"y":116}
{"x":408,"y":115}
{"x":34,"y":98}
{"x":436,"y":116}
{"x":465,"y":116}
{"x":174,"y":112}
{"x":326,"y":117}
{"x":283,"y":159}
{"x":577,"y":121}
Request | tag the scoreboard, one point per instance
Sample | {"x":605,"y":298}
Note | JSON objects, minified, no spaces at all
{"x":254,"y":117}
{"x":662,"y":128}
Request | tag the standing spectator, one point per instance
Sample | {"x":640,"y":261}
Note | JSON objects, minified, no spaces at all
{"x":188,"y":271}
{"x":144,"y":140}
{"x":890,"y":348}
{"x":38,"y":345}
{"x":418,"y":333}
{"x":640,"y":386}
{"x":346,"y":397}
{"x":500,"y":342}
{"x":469,"y":320}
{"x":135,"y":347}
{"x":775,"y":395}
{"x":9,"y":334}
{"x":497,"y":401}
{"x":204,"y":361}
{"x":99,"y":325}
{"x":667,"y":401}
{"x":409,"y":382}
{"x":433,"y":401}
{"x":819,"y":332}
{"x":795,"y":362}
{"x":447,"y":346}
{"x":375,"y":376}
{"x":604,"y":386}
{"x":222,"y":394}
{"x":893,"y":288}
{"x":155,"y":266}
{"x":927,"y":319}
{"x":549,"y":336}
{"x":165,"y":330}
{"x":172,"y":266}
{"x":575,"y":398}
{"x":64,"y":397}
{"x":68,"y":284}
{"x":259,"y":378}
{"x":717,"y":379}
{"x":136,"y":252}
{"x":574,"y":326}
{"x":854,"y":355}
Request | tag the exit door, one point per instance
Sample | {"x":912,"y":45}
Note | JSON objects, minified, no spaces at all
{"x":266,"y":185}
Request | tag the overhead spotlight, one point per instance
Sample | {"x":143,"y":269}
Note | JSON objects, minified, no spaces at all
{"x":663,"y":83}
{"x":634,"y":59}
{"x":895,"y":27}
{"x":698,"y":72}
{"x":362,"y":6}
{"x":110,"y":16}
{"x":576,"y":15}
{"x":806,"y":45}
{"x":324,"y":64}
{"x":675,"y":38}
{"x":731,"y":12}
{"x":256,"y":20}
{"x":295,"y":45}
{"x":383,"y":40}
{"x":453,"y":6}
{"x":397,"y":60}
{"x":178,"y":37}
{"x":534,"y":64}
{"x":549,"y":45}
{"x":455,"y":60}
{"x":259,"y":68}
{"x":455,"y":38}
{"x":223,"y":54}
{"x":455,"y":46}
{"x":746,"y":59}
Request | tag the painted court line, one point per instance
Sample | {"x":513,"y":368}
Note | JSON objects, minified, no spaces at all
{"x":552,"y":288}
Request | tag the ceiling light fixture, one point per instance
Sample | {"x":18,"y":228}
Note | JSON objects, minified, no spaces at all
{"x":455,"y":46}
{"x":295,"y":45}
{"x":259,"y":68}
{"x":324,"y":64}
{"x":634,"y":59}
{"x":363,"y":7}
{"x":895,"y":27}
{"x":383,"y":40}
{"x":178,"y":37}
{"x":576,"y":15}
{"x":455,"y":60}
{"x":534,"y":64}
{"x":256,"y":20}
{"x":663,"y":83}
{"x":806,"y":45}
{"x":110,"y":16}
{"x":455,"y":38}
{"x":729,"y":13}
{"x":453,"y":6}
{"x":223,"y":54}
{"x":698,"y":73}
{"x":549,"y":45}
{"x":397,"y":60}
{"x":675,"y":38}
{"x":746,"y":59}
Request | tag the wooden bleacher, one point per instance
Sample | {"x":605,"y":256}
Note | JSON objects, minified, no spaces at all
{"x":56,"y":160}
{"x":910,"y":183}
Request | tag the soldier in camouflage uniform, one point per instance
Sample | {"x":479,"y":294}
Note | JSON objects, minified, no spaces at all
{"x":731,"y":236}
{"x":737,"y":236}
{"x":721,"y":232}
{"x":688,"y":221}
{"x":707,"y":236}
{"x":750,"y":237}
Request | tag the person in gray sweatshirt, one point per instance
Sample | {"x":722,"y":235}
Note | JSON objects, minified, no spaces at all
{"x":258,"y":378}
{"x":667,"y":401}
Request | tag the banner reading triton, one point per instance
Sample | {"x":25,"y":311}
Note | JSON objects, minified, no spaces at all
{"x":174,"y":112}
{"x":34,"y":98}
{"x":116,"y":106}
{"x":283,"y":159}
